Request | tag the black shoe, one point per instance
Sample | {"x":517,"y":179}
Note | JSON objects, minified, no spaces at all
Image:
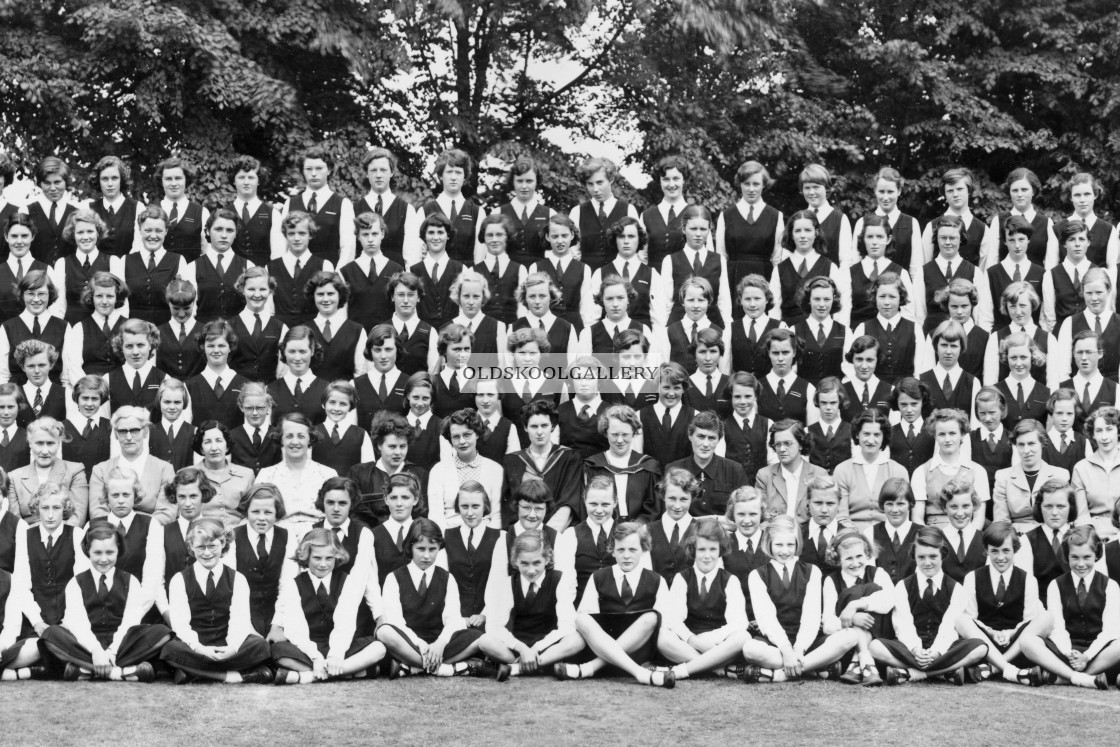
{"x":853,"y":675}
{"x":1101,"y":681}
{"x":669,"y":680}
{"x":396,"y":670}
{"x":956,"y":677}
{"x":281,"y":677}
{"x":897,"y":676}
{"x":477,"y":667}
{"x":973,"y":676}
{"x":1032,"y":677}
{"x":261,"y":675}
{"x":71,"y":672}
{"x":182,"y":678}
{"x":145,"y":672}
{"x":560,"y":672}
{"x":38,"y":672}
{"x":503,"y":673}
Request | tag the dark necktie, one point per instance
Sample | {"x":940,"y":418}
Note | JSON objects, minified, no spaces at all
{"x":1086,"y":400}
{"x":829,"y":433}
{"x":298,"y":393}
{"x":866,"y":395}
{"x":948,"y":270}
{"x":947,"y":389}
{"x":666,"y":421}
{"x":628,"y":593}
{"x":182,"y":334}
{"x":258,"y":327}
{"x":36,"y":329}
{"x":453,"y":385}
{"x":400,"y":539}
{"x":781,"y":389}
{"x":174,"y":217}
{"x":470,"y":542}
{"x":37,"y":405}
{"x":695,"y":331}
{"x":171,"y":434}
{"x":603,"y":213}
{"x":874,"y":271}
{"x":299,"y":267}
{"x":672,"y":215}
{"x":585,"y":413}
{"x":696,"y":265}
{"x":487,"y":431}
{"x":423,"y":590}
{"x":1001,"y":591}
{"x":750,"y":216}
{"x":541,"y":323}
{"x":102,"y":587}
{"x":803,"y":270}
{"x":262,"y":549}
{"x":379,"y":206}
{"x":382,"y":390}
{"x":1017,"y":279}
{"x":336,"y":438}
{"x":703,"y":588}
{"x":218,"y":266}
{"x":894,"y":540}
{"x":927,"y":596}
{"x":1056,"y":546}
{"x":675,"y":538}
{"x":88,"y":429}
{"x":313,"y":203}
{"x":337,"y":533}
{"x":1082,"y":592}
{"x":960,"y":546}
{"x":404,"y":334}
{"x":753,"y":334}
{"x":244,"y":214}
{"x":454,"y":212}
{"x":435,"y":274}
{"x":323,"y":595}
{"x":992,"y":443}
{"x":50,"y":543}
{"x":910,"y":434}
{"x":822,"y":545}
{"x":151,"y":262}
{"x":1097,"y":324}
{"x":86,"y":266}
{"x":708,"y":390}
{"x":750,"y":546}
{"x":1019,"y":400}
{"x":1065,"y":443}
{"x":19,"y":269}
{"x":327,"y":331}
{"x":219,"y":390}
{"x":210,"y":585}
{"x":373,"y":274}
{"x":785,"y":575}
{"x":137,"y":388}
{"x":820,"y":335}
{"x":527,"y":393}
{"x":54,"y":215}
{"x":1077,"y":282}
{"x":531,"y":595}
{"x":626,"y":270}
{"x":601,"y":542}
{"x":4,"y":440}
{"x":257,"y":439}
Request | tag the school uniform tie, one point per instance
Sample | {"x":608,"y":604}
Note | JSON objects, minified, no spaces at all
{"x":257,"y":439}
{"x":379,"y":206}
{"x":1056,"y":546}
{"x":487,"y":431}
{"x":36,"y":329}
{"x":540,"y":323}
{"x":866,"y":395}
{"x":423,"y":590}
{"x":628,"y":593}
{"x":626,"y":270}
{"x":257,"y":326}
{"x":102,"y":587}
{"x":404,"y":334}
{"x":137,"y":388}
{"x":672,"y":216}
{"x":696,"y":265}
{"x":585,"y":413}
{"x":1077,"y":282}
{"x":19,"y":269}
{"x":527,"y":393}
{"x":470,"y":542}
{"x":244,"y":214}
{"x":531,"y":595}
{"x":454,"y":212}
{"x":435,"y":274}
{"x":299,"y":268}
{"x":151,"y":262}
{"x":675,"y":538}
{"x":948,"y":270}
{"x":86,"y":266}
{"x":210,"y":585}
{"x":750,"y":546}
{"x":695,"y":332}
{"x":829,"y":433}
{"x":327,"y":331}
{"x":874,"y":271}
{"x":1097,"y":324}
{"x":313,"y":203}
{"x":1082,"y":592}
{"x":262,"y":550}
{"x":323,"y":595}
{"x":703,"y":588}
{"x":910,"y":435}
{"x":1016,"y":279}
{"x":822,"y":545}
{"x":785,"y":575}
{"x":85,"y":433}
{"x":601,"y":542}
{"x":947,"y":388}
{"x":4,"y":440}
{"x":174,"y":217}
{"x":54,"y":215}
{"x":37,"y":405}
{"x":1086,"y":400}
{"x":803,"y":270}
{"x":960,"y":546}
{"x":170,"y":433}
{"x":50,"y":545}
{"x":709,"y":390}
{"x":182,"y":334}
{"x":417,"y":428}
{"x":400,"y":539}
{"x":781,"y":389}
{"x":219,"y":390}
{"x":335,"y":437}
{"x":992,"y":443}
{"x":382,"y":390}
{"x":752,"y":334}
{"x":298,"y":393}
{"x":894,"y":541}
{"x":666,"y":421}
{"x":1001,"y":591}
{"x":1019,"y":400}
{"x":927,"y":595}
{"x":820,"y":335}
{"x":750,"y":216}
{"x":218,"y":266}
{"x":1065,"y":443}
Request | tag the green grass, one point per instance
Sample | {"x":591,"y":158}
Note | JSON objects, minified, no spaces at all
{"x":542,"y":711}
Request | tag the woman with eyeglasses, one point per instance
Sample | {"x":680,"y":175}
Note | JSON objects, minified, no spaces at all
{"x":130,"y":433}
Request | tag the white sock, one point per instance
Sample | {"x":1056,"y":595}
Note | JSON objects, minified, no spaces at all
{"x":515,"y":670}
{"x":24,"y":673}
{"x":916,"y":675}
{"x":233,"y":677}
{"x":117,"y":674}
{"x":1011,"y":673}
{"x":7,"y":675}
{"x":302,"y":678}
{"x":775,"y":675}
{"x":1083,"y":680}
{"x":680,"y":671}
{"x":447,"y":670}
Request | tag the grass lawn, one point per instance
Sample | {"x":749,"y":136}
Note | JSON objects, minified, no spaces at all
{"x":542,"y":711}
